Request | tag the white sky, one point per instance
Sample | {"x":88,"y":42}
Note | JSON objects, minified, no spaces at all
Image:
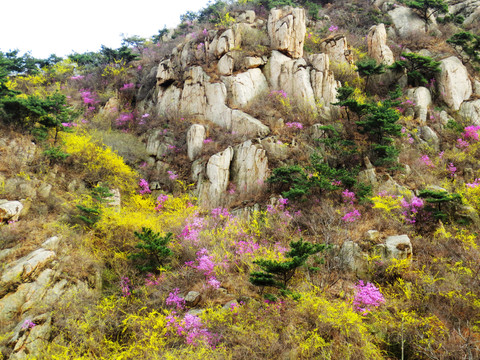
{"x":63,"y":27}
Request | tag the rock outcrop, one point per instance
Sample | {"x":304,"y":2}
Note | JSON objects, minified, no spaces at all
{"x":287,"y":28}
{"x":294,"y":79}
{"x":398,"y":247}
{"x":195,"y":138}
{"x":10,"y":210}
{"x":406,"y":22}
{"x":422,"y":99}
{"x":453,"y":82}
{"x":470,"y":111}
{"x":244,"y":87}
{"x":249,"y":167}
{"x":323,"y":81}
{"x":377,"y":45}
{"x":212,"y":189}
{"x":337,"y":49}
{"x":244,"y":124}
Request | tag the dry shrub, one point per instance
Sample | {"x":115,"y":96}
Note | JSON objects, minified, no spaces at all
{"x":255,"y":42}
{"x":127,"y":145}
{"x":346,"y":73}
{"x":356,"y":17}
{"x":417,"y":41}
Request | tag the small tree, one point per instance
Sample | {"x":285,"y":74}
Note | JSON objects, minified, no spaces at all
{"x":38,"y":114}
{"x":442,"y":199}
{"x":380,"y":124}
{"x":153,"y":249}
{"x":278,"y":273}
{"x":469,"y":44}
{"x":91,"y":213}
{"x":368,"y":68}
{"x":420,"y":69}
{"x":345,"y":99}
{"x":426,"y":9}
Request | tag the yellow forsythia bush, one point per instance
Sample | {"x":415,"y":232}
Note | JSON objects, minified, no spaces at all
{"x":100,"y":162}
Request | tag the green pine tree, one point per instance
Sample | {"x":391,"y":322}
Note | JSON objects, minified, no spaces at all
{"x":277,"y":273}
{"x":369,"y":67}
{"x":426,"y":9}
{"x":420,"y":69}
{"x":153,"y":249}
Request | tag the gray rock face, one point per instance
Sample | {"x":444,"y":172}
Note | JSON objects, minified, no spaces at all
{"x":245,"y":124}
{"x":243,"y":87}
{"x":351,"y":256}
{"x":286,"y":28}
{"x":212,"y":189}
{"x":192,"y":298}
{"x":226,"y":42}
{"x":248,"y":16}
{"x":423,"y":100}
{"x":337,"y":49}
{"x":470,"y":110}
{"x":251,"y":62}
{"x":377,"y":45}
{"x":453,"y":82}
{"x":44,"y":190}
{"x":469,"y":9}
{"x":406,"y":22}
{"x":249,"y":167}
{"x":398,"y":247}
{"x":168,"y":101}
{"x":26,"y":267}
{"x":295,"y":80}
{"x":225,"y":64}
{"x":217,"y":111}
{"x":323,"y":82}
{"x":430,"y":137}
{"x":275,"y":149}
{"x":153,"y":142}
{"x":165,"y":72}
{"x":10,"y":210}
{"x":193,"y":101}
{"x":195,"y":137}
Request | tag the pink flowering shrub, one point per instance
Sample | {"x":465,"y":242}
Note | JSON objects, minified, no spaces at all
{"x":425,"y":160}
{"x":204,"y":263}
{"x":192,"y":229}
{"x":161,"y":199}
{"x":172,"y":175}
{"x":451,"y":169}
{"x":125,"y":119}
{"x":173,"y":300}
{"x":220,"y":213}
{"x":352,"y":216}
{"x":192,"y":330}
{"x":89,"y":97}
{"x":471,"y":133}
{"x":128,"y":86}
{"x":144,"y":187}
{"x":348,"y":197}
{"x":281,"y":93}
{"x":248,"y":247}
{"x":411,"y":209}
{"x":28,"y":324}
{"x":462,"y":144}
{"x":474,"y":184}
{"x":294,"y":125}
{"x":125,"y":286}
{"x":367,"y":297}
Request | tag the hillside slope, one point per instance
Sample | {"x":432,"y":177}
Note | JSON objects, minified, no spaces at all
{"x":262,"y":182}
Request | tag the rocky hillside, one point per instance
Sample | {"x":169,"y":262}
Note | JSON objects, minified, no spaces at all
{"x":270,"y":180}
